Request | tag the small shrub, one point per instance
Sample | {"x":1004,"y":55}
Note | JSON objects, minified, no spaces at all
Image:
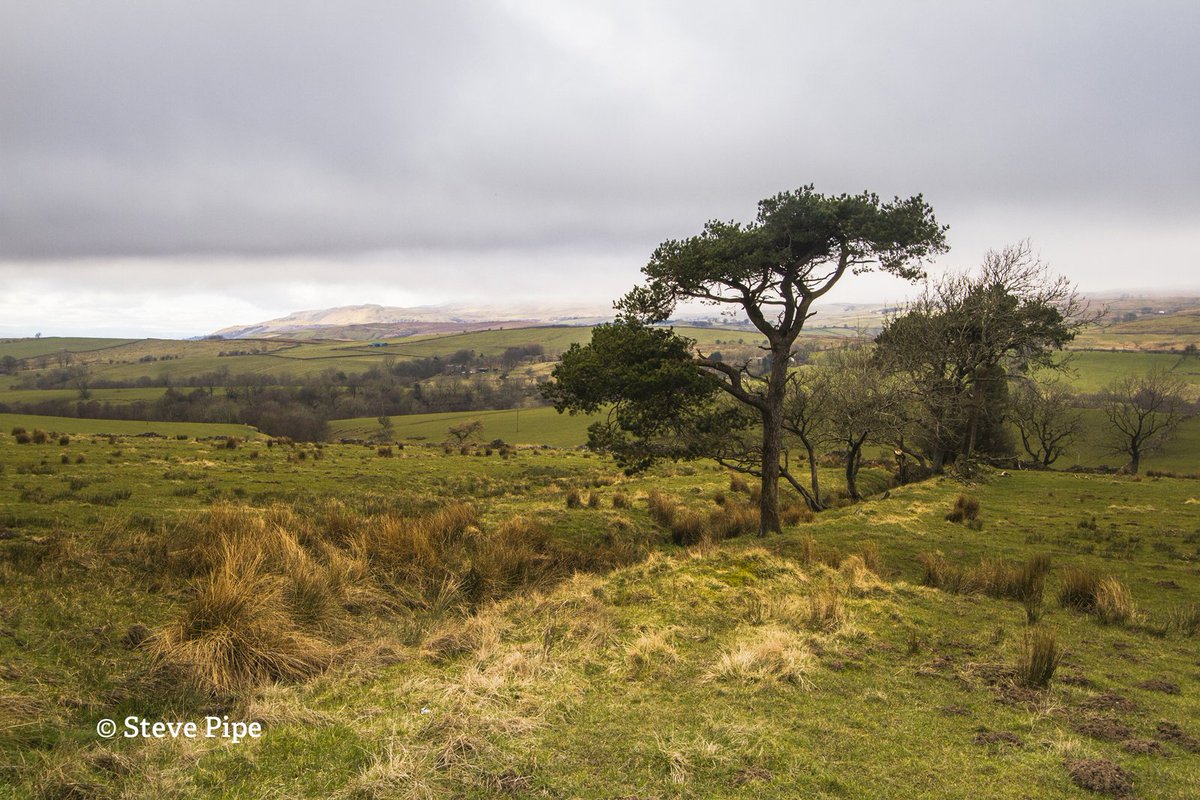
{"x":620,"y":500}
{"x":738,"y":484}
{"x":64,"y":440}
{"x":65,"y":459}
{"x":40,"y":436}
{"x":574,"y":499}
{"x":1039,"y":659}
{"x":385,"y":452}
{"x":23,"y":438}
{"x":17,"y":430}
{"x":80,"y":459}
{"x":231,"y":443}
{"x":1114,"y":605}
{"x":593,"y":500}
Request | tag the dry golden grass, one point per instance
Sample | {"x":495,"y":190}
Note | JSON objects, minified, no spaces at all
{"x":1114,"y":604}
{"x":651,"y":649}
{"x":238,"y":631}
{"x":769,"y":654}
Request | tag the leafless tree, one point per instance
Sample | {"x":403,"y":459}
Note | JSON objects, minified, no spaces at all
{"x":1144,"y":412}
{"x":1045,"y":418}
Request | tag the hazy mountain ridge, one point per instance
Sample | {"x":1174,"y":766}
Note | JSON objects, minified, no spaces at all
{"x":370,"y":321}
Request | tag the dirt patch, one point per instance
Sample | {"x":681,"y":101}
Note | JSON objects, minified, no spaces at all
{"x":751,"y":775}
{"x":1100,"y":775}
{"x":1104,"y":728}
{"x":1075,"y":680}
{"x":953,"y":711}
{"x":1158,"y":685}
{"x":1172,"y":733}
{"x":1143,"y":747}
{"x":135,"y":636}
{"x":1011,"y":694}
{"x":985,"y":738}
{"x":1110,"y":701}
{"x":1166,"y":584}
{"x":511,"y":781}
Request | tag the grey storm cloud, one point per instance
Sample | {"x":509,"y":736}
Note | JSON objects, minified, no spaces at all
{"x":175,"y":132}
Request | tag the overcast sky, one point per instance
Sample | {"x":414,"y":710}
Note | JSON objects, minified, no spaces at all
{"x":170,"y":168}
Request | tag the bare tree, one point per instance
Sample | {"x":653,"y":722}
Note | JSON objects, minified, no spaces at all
{"x":1144,"y":412}
{"x":1045,"y":419}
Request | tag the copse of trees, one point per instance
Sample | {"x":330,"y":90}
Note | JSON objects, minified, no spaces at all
{"x":773,"y":270}
{"x":965,"y":339}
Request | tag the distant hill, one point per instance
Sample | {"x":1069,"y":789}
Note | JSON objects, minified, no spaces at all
{"x":361,"y":322}
{"x":377,"y":322}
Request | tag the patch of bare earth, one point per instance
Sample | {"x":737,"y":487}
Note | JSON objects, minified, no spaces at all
{"x":1110,"y":701}
{"x":1158,"y":685}
{"x":1104,"y":728}
{"x":1143,"y":747}
{"x":751,"y":775}
{"x":1172,"y":733}
{"x":992,"y":738}
{"x":1100,"y":775}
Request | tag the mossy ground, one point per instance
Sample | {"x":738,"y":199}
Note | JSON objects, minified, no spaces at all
{"x":701,"y":672}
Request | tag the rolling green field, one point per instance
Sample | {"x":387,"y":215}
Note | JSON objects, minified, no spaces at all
{"x":8,"y":395}
{"x":49,"y":345}
{"x":515,"y":426}
{"x":1091,"y":370}
{"x":814,"y":663}
{"x":121,"y":426}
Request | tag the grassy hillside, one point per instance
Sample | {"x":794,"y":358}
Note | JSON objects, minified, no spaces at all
{"x":581,"y":653}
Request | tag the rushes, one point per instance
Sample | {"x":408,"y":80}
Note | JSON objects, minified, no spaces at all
{"x":1106,"y":598}
{"x":1039,"y":658}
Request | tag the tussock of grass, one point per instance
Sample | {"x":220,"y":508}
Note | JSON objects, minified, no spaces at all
{"x":651,"y":649}
{"x":1106,"y":598}
{"x":966,"y":509}
{"x":238,"y":631}
{"x":1078,"y":590}
{"x":770,"y":654}
{"x":825,"y":610}
{"x":1184,"y":619}
{"x":734,"y":519}
{"x":1114,"y":604}
{"x":1002,"y":580}
{"x":1039,"y":658}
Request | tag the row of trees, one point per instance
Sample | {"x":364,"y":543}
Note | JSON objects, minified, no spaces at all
{"x":940,"y":382}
